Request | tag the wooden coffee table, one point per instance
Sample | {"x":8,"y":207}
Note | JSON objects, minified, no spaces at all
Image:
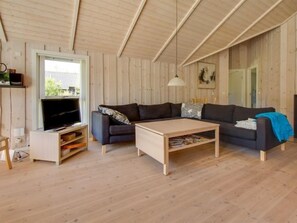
{"x":153,"y":138}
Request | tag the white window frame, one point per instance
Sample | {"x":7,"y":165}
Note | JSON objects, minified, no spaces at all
{"x":84,"y":92}
{"x":42,"y":76}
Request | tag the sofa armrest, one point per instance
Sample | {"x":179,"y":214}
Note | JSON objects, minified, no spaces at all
{"x":100,"y":127}
{"x":265,"y":136}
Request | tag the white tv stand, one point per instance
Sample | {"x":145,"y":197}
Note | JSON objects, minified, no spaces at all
{"x":48,"y":146}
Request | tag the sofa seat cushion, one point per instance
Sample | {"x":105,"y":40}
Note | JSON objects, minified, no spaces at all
{"x":130,"y":110}
{"x":223,"y":113}
{"x":154,"y":111}
{"x":121,"y":138}
{"x":121,"y":129}
{"x":230,"y":130}
{"x":242,"y":113}
{"x":243,"y":133}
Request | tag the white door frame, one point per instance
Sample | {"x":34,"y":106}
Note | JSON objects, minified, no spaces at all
{"x":248,"y":82}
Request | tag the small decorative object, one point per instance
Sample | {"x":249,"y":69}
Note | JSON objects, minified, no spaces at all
{"x":68,"y":136}
{"x":4,"y":75}
{"x":206,"y":75}
{"x":16,"y":79}
{"x":176,"y":81}
{"x":11,"y":71}
{"x":115,"y":115}
{"x":191,"y":110}
{"x":74,"y":145}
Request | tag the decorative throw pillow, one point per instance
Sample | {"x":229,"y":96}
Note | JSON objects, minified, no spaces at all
{"x":250,"y":123}
{"x":191,"y":110}
{"x":115,"y":115}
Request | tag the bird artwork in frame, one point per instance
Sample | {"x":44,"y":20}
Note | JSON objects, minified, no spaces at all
{"x":206,"y":75}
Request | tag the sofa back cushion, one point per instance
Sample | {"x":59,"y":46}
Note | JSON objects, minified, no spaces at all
{"x":190,"y":110}
{"x":223,"y":113}
{"x":242,"y":113}
{"x":154,"y":111}
{"x":175,"y":109}
{"x":116,"y":116}
{"x":130,"y":110}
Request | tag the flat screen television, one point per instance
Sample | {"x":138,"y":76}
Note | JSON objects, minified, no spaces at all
{"x":60,"y":113}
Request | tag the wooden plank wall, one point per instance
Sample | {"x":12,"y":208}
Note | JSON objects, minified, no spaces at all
{"x":275,"y":55}
{"x":113,"y":80}
{"x":12,"y":114}
{"x":132,"y":80}
{"x":125,"y":80}
{"x":223,"y":78}
{"x":288,"y":67}
{"x":264,"y":53}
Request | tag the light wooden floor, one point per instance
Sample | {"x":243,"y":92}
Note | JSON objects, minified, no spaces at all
{"x":121,"y":187}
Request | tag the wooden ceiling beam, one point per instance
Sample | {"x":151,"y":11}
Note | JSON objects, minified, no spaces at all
{"x":214,"y":30}
{"x":203,"y":57}
{"x":131,"y":27}
{"x":227,"y":47}
{"x":2,"y":32}
{"x":233,"y":42}
{"x":175,"y":31}
{"x":255,"y":22}
{"x":74,"y":24}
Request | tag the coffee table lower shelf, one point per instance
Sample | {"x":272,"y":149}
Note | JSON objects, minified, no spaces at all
{"x":205,"y":141}
{"x":156,"y":144}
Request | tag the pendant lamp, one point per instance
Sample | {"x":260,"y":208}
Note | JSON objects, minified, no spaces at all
{"x":176,"y":81}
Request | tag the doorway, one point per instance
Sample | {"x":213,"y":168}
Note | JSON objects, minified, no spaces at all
{"x":243,"y":87}
{"x":237,"y":89}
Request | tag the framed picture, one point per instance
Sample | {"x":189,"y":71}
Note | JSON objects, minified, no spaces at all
{"x":206,"y":75}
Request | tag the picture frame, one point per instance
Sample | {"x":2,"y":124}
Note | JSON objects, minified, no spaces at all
{"x":206,"y":75}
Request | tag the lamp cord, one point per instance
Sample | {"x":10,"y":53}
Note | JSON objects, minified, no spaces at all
{"x":176,"y":38}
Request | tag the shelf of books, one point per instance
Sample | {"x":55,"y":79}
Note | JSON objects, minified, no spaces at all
{"x":187,"y":141}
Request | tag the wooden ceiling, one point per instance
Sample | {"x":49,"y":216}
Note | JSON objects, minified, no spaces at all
{"x":143,"y":28}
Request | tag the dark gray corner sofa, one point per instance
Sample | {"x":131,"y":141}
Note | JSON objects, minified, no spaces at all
{"x":106,"y":131}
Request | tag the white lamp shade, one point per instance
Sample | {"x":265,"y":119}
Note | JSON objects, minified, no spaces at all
{"x":176,"y":81}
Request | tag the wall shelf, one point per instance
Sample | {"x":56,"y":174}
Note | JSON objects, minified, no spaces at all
{"x":12,"y":86}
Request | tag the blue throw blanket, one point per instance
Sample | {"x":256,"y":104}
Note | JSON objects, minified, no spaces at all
{"x":280,"y":125}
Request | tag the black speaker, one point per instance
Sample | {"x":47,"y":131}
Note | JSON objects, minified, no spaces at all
{"x":16,"y":79}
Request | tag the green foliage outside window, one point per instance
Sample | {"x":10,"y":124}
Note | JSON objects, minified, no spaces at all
{"x":52,"y":87}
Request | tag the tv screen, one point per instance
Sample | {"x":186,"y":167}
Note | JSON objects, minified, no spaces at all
{"x":59,"y":113}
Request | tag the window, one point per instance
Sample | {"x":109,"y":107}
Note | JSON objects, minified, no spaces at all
{"x":57,"y":75}
{"x":61,"y":78}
